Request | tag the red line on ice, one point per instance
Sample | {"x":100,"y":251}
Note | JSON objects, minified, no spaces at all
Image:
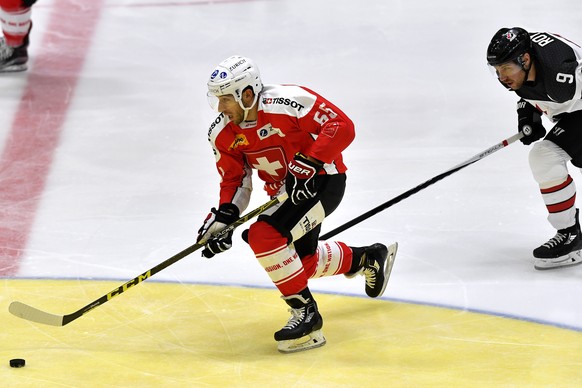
{"x":34,"y":136}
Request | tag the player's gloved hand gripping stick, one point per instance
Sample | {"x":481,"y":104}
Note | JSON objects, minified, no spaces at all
{"x":422,"y":186}
{"x":33,"y":314}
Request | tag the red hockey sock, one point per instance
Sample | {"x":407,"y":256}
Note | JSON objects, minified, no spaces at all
{"x":279,"y":260}
{"x":15,"y":21}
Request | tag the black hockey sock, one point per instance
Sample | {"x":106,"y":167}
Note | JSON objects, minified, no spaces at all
{"x":297,"y":303}
{"x":306,"y":294}
{"x":357,"y":259}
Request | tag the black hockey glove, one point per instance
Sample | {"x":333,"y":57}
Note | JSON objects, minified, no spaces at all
{"x":300,"y":183}
{"x":529,"y":122}
{"x":217,"y":220}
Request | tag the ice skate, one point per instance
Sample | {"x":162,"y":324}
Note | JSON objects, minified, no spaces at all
{"x":376,"y":265}
{"x":558,"y":248}
{"x":13,"y":59}
{"x":303,"y":330}
{"x":565,"y":241}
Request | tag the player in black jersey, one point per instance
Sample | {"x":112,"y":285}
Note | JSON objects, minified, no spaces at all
{"x":545,"y":70}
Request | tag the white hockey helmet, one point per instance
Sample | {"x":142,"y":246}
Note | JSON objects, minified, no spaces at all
{"x":233,"y":76}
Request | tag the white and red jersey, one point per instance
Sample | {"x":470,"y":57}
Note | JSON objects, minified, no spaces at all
{"x":290,"y":119}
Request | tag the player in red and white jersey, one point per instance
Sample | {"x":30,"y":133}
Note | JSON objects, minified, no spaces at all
{"x":545,"y":70}
{"x":294,"y":138}
{"x":16,"y":24}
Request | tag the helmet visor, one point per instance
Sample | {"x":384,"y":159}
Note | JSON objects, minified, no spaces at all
{"x":505,"y":70}
{"x":212,"y":101}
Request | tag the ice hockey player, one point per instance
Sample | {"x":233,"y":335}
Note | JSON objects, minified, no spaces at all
{"x":16,"y":24}
{"x":294,"y":138}
{"x":545,"y":70}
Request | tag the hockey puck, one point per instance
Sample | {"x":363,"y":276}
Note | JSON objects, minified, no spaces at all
{"x":17,"y":363}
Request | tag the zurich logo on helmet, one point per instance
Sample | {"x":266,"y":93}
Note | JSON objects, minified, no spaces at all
{"x":223,"y":75}
{"x":214,"y":74}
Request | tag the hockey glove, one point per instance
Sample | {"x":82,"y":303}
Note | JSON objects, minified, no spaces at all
{"x":529,"y":122}
{"x":300,"y":183}
{"x":217,"y":220}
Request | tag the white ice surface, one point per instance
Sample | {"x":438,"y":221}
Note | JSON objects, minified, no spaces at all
{"x":133,"y":176}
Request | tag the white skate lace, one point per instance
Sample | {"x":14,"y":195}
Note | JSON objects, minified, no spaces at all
{"x":557,"y":239}
{"x":297,"y":316}
{"x":370,"y":275}
{"x":5,"y":50}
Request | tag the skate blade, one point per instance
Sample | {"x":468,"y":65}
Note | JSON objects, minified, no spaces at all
{"x":573,"y":258}
{"x":392,"y":249}
{"x":315,"y":340}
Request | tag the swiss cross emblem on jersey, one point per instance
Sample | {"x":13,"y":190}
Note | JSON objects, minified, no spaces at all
{"x":270,"y":162}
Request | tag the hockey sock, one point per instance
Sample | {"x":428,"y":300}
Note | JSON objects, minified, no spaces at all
{"x":15,"y":21}
{"x":330,"y":258}
{"x":560,"y":201}
{"x":306,"y":294}
{"x":281,"y":262}
{"x":357,"y":259}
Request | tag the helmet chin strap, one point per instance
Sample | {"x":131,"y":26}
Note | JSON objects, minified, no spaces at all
{"x":246,"y":114}
{"x":522,"y":64}
{"x":247,"y":110}
{"x":526,"y":72}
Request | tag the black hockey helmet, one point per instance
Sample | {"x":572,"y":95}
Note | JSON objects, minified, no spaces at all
{"x":508,"y":44}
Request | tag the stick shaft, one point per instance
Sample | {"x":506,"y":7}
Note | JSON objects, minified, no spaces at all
{"x":422,"y":186}
{"x":178,"y":256}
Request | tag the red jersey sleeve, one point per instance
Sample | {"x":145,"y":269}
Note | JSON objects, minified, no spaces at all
{"x":235,"y":174}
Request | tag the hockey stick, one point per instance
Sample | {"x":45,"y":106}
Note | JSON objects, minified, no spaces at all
{"x":422,"y":186}
{"x":33,"y":314}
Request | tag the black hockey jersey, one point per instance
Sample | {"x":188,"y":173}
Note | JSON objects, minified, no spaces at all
{"x":558,"y":85}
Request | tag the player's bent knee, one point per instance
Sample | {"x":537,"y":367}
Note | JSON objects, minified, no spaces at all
{"x":548,"y":163}
{"x":263,"y":235}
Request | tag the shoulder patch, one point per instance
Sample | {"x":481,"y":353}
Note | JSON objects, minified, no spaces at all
{"x":239,"y":140}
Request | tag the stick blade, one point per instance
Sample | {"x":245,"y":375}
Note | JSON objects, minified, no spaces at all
{"x":30,"y":313}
